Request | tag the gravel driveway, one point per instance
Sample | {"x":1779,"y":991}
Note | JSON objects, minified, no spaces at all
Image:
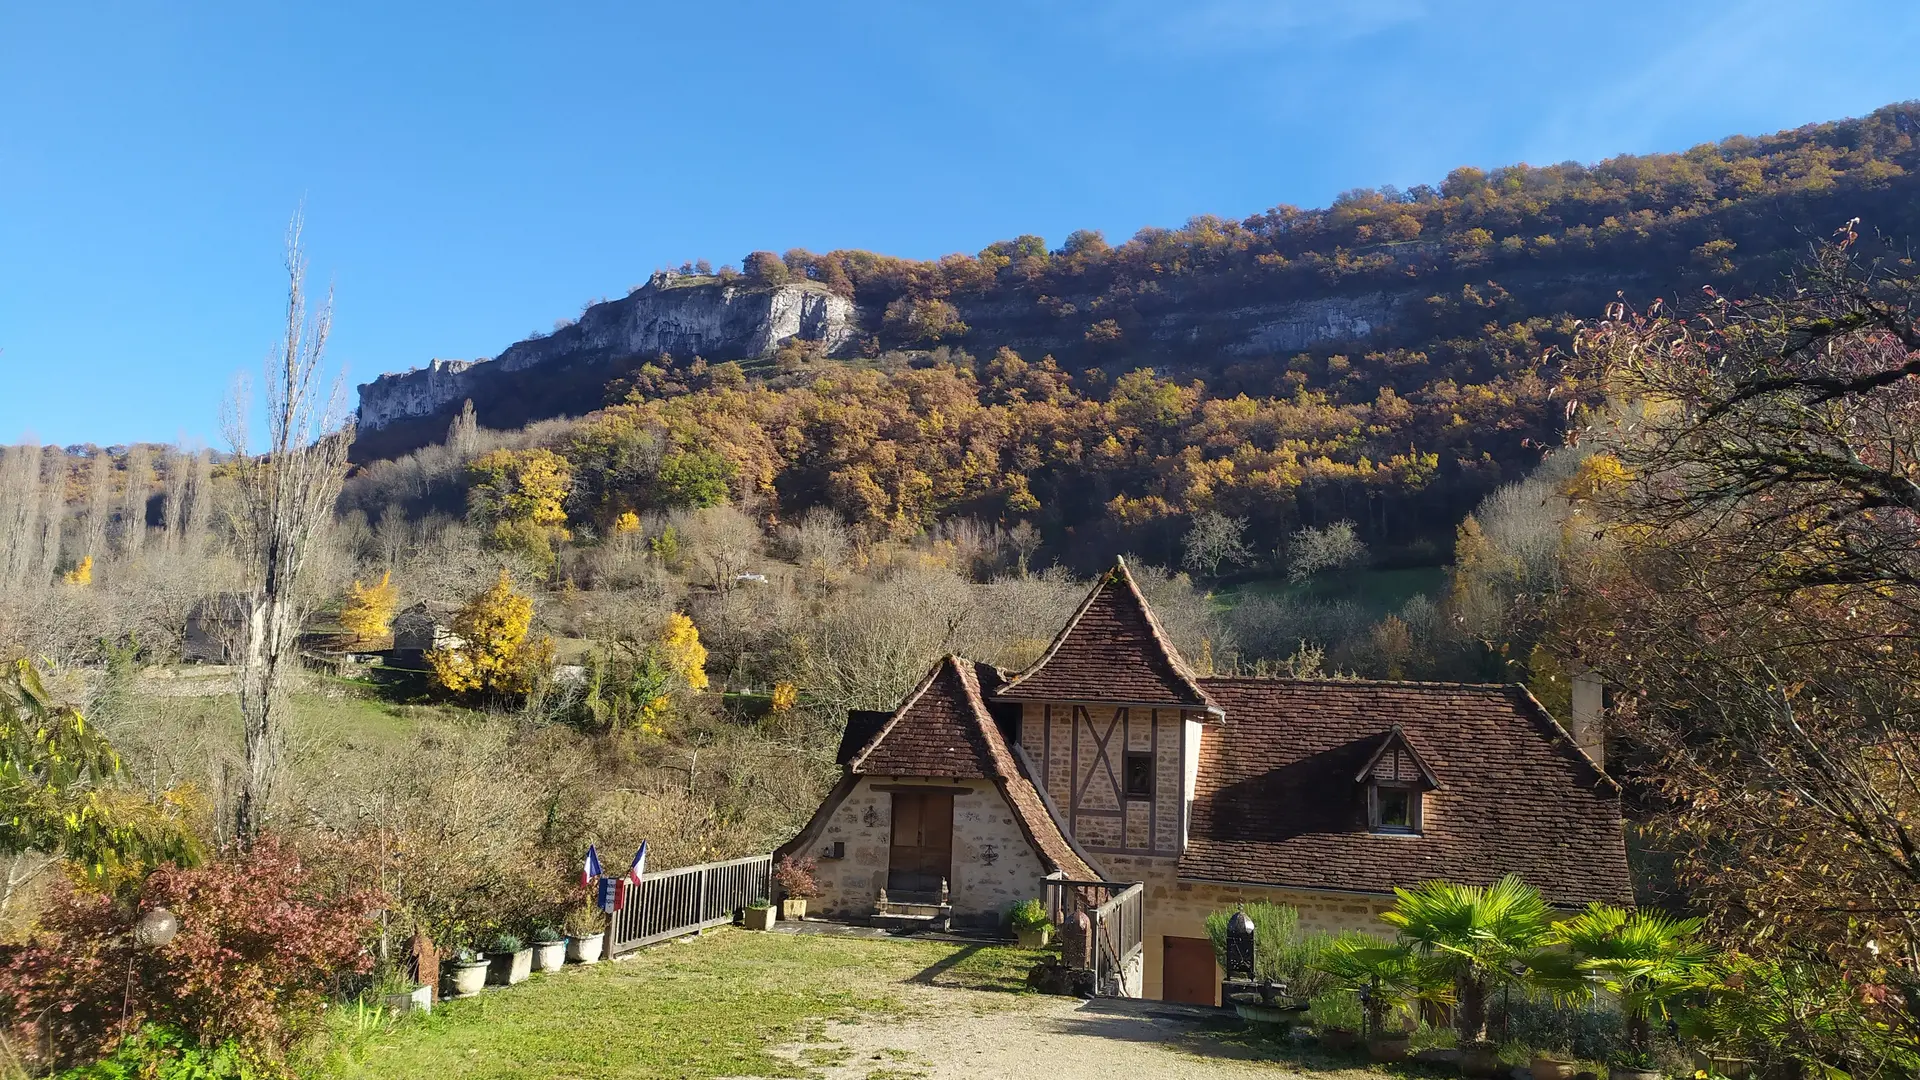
{"x":952,"y":1034}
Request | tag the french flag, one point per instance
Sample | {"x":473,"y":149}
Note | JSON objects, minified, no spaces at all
{"x":591,"y":870}
{"x":639,"y":866}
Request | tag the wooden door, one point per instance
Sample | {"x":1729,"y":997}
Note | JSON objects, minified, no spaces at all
{"x":920,"y":856}
{"x":1187,"y":972}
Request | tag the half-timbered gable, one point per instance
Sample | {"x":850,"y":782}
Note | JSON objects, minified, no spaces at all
{"x":1111,"y":757}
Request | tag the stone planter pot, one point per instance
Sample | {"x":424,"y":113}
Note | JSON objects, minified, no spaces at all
{"x":1385,"y":1048}
{"x":508,"y":968}
{"x":586,"y":950}
{"x":1550,"y":1068}
{"x":1618,"y":1073}
{"x":1481,"y":1061}
{"x":1335,"y":1038}
{"x":549,"y":955}
{"x":467,"y":979}
{"x":1035,"y":938}
{"x":419,"y":999}
{"x":1254,"y":1013}
{"x":757,"y":918}
{"x":793,"y":909}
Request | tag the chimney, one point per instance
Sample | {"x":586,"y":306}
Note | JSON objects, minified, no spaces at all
{"x":1589,"y":723}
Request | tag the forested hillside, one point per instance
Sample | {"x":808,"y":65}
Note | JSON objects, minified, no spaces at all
{"x":1387,"y":360}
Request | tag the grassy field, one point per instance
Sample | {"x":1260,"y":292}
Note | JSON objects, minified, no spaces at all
{"x":707,"y":1007}
{"x":1378,"y":592}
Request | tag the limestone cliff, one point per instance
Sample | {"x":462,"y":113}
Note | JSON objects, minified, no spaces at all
{"x":685,"y":316}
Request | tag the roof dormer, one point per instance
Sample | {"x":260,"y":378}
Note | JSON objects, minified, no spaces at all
{"x":1397,"y":781}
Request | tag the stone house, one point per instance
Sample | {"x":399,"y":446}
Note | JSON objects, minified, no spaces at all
{"x":1111,"y":759}
{"x":421,"y":628}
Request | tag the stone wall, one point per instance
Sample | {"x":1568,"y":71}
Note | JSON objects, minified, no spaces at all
{"x":1180,"y":908}
{"x":993,"y":864}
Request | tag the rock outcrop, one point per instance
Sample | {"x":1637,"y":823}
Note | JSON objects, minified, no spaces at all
{"x":672,"y":313}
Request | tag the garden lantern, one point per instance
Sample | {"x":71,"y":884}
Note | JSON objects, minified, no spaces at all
{"x":155,"y":929}
{"x":1240,"y":944}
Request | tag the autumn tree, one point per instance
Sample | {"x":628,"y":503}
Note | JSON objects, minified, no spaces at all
{"x":1756,"y":608}
{"x":367,"y":612}
{"x":765,"y":268}
{"x":493,"y":655}
{"x":519,"y":496}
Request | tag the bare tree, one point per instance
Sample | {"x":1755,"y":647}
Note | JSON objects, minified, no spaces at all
{"x":52,"y":464}
{"x":19,"y":513}
{"x":463,"y":435}
{"x":1215,"y":539}
{"x":284,"y":499}
{"x":133,"y":502}
{"x":1333,"y":548}
{"x":93,"y":528}
{"x":200,"y":504}
{"x":173,"y":477}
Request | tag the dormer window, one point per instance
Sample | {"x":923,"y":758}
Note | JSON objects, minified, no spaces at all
{"x":1394,"y":808}
{"x":1397,"y":782}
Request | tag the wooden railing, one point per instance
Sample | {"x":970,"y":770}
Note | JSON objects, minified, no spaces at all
{"x":676,"y":902}
{"x":1116,"y":918}
{"x":1119,"y":945}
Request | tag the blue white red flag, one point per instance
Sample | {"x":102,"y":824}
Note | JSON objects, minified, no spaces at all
{"x":591,"y":870}
{"x":639,"y":866}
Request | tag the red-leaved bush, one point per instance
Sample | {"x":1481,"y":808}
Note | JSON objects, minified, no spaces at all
{"x":262,"y":941}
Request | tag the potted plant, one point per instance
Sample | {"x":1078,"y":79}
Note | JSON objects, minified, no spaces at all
{"x":400,"y":993}
{"x":467,"y":972}
{"x":797,"y":883}
{"x":586,"y":934}
{"x":1030,"y":924}
{"x":510,"y":959}
{"x":1550,"y":1066}
{"x":757,"y":915}
{"x":549,"y":949}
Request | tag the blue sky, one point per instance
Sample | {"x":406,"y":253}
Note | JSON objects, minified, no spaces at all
{"x":474,"y":171}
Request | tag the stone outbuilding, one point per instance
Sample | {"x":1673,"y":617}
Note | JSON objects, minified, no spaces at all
{"x":1111,"y":759}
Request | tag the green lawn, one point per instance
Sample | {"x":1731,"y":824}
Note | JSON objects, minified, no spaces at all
{"x":707,"y":1007}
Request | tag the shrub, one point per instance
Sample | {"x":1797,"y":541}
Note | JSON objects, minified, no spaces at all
{"x":1283,"y":953}
{"x":506,"y":943}
{"x":796,"y":877}
{"x":1336,"y":1009}
{"x":1029,"y":915}
{"x":159,"y":1052}
{"x":262,"y":942}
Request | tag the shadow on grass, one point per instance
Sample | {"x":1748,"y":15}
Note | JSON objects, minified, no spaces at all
{"x":929,"y":975}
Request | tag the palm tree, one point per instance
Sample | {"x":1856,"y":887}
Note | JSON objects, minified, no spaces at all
{"x":1387,"y":976}
{"x":1645,"y":959}
{"x":1474,"y":935}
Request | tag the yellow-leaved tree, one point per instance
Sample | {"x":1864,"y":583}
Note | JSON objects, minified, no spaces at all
{"x":493,"y":654}
{"x":368,"y":610}
{"x":627,"y":522}
{"x":520,"y":496}
{"x":681,"y":651}
{"x":82,"y":572}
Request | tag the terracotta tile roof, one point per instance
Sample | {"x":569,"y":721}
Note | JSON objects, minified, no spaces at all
{"x":1111,"y":650}
{"x":1278,"y":801}
{"x":943,"y":729}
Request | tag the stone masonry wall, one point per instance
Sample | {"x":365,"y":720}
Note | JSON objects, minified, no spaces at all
{"x":993,"y":864}
{"x":1180,"y":908}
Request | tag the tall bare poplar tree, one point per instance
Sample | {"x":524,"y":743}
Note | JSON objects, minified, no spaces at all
{"x":133,"y":502}
{"x":93,"y":527}
{"x":173,"y":470}
{"x":200,"y":503}
{"x":53,"y":511}
{"x":20,"y":507}
{"x":284,"y":499}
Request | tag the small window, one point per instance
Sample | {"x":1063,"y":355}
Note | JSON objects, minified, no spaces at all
{"x":1395,"y":808}
{"x":1139,"y":776}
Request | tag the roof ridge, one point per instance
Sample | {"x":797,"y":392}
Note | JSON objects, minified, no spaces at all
{"x":1492,"y":687}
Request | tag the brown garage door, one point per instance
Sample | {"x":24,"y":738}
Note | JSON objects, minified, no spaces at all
{"x":1187,"y":972}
